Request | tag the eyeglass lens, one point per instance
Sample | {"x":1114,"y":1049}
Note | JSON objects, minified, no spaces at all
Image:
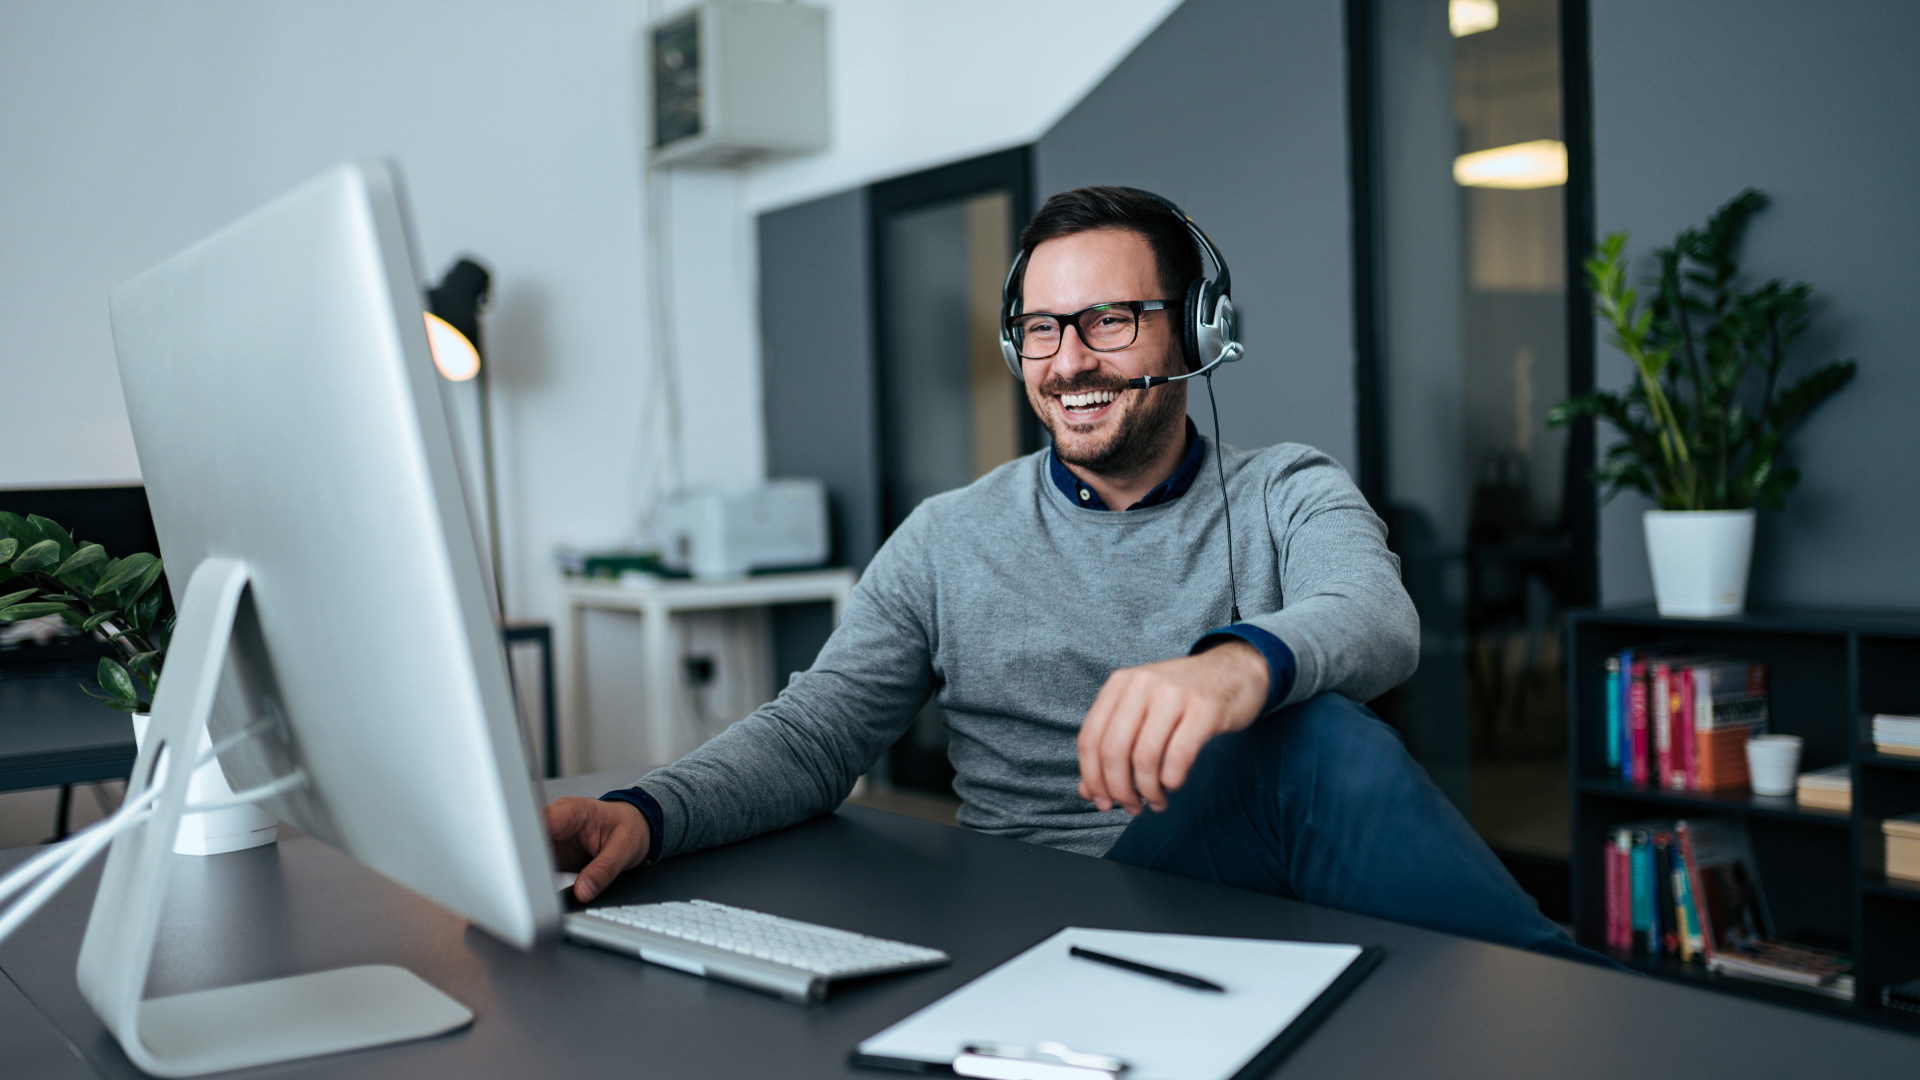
{"x":1104,"y":328}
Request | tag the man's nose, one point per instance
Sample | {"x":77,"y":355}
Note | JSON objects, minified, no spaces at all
{"x":1074,"y":357}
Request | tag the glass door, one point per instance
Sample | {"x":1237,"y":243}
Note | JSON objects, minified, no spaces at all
{"x":949,"y":410}
{"x":1472,"y":345}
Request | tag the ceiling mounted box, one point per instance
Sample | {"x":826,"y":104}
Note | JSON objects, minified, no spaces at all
{"x":737,"y":81}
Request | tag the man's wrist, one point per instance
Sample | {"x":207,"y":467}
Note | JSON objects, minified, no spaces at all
{"x":1280,"y":663}
{"x":650,"y":814}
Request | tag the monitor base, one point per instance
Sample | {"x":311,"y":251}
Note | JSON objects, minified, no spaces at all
{"x":230,"y":1027}
{"x":236,"y":1027}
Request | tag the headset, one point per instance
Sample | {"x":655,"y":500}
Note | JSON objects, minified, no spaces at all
{"x":1207,"y":331}
{"x":1206,"y":319}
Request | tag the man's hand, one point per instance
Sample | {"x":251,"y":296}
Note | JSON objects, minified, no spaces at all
{"x":602,"y":840}
{"x":1149,"y":722}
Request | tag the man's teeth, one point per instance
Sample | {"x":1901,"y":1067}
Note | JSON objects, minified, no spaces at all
{"x":1092,"y":399}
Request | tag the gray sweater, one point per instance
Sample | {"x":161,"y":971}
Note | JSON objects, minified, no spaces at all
{"x":1010,"y":606}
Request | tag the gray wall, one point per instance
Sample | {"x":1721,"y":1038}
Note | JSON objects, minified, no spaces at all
{"x":816,"y":327}
{"x":1236,"y":110}
{"x":1814,"y":105}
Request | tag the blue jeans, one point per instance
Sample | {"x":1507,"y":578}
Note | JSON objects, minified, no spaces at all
{"x":1320,"y":802}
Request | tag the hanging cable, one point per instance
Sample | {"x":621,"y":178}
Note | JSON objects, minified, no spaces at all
{"x":1226,"y":507}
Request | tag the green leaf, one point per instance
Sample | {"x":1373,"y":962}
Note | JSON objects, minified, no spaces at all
{"x":17,"y":528}
{"x":144,"y":610}
{"x":152,"y":575}
{"x":81,"y":559}
{"x":31,"y":611}
{"x":13,"y":598}
{"x":122,"y":571}
{"x":140,"y":660}
{"x":115,"y":680}
{"x":38,"y":557}
{"x":94,"y":620}
{"x":9,"y":547}
{"x":53,"y":532}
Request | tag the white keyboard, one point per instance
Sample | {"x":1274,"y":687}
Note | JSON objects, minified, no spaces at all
{"x":793,"y":959}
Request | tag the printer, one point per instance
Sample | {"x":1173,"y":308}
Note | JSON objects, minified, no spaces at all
{"x":713,"y":533}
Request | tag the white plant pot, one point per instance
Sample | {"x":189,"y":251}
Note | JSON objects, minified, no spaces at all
{"x":214,"y":832}
{"x":1700,"y":560}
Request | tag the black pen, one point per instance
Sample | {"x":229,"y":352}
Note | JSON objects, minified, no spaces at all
{"x":1194,"y":981}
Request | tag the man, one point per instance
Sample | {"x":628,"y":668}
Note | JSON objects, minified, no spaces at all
{"x":1060,"y":608}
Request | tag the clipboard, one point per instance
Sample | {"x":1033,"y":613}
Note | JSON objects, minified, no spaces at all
{"x":1047,"y":1016}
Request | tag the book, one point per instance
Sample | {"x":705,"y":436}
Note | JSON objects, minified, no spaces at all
{"x":1637,"y":758}
{"x":1640,"y":908}
{"x":1611,"y":684}
{"x":1725,"y":883}
{"x":1904,"y":825}
{"x":1806,"y":967}
{"x":1830,"y":788}
{"x":1903,"y":998}
{"x":1897,"y":735}
{"x":1619,"y":857}
{"x":1660,"y":691}
{"x":1684,"y":911}
{"x":1729,"y":707}
{"x":1903,"y":858}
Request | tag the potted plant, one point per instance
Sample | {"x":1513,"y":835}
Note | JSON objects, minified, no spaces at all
{"x":1705,"y":421}
{"x":46,"y":573}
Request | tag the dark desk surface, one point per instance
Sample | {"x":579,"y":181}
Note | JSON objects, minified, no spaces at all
{"x":1437,"y":1007}
{"x":51,"y":733}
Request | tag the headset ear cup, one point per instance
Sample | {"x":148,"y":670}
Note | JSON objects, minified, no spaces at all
{"x":1012,"y":355}
{"x":1191,"y":313}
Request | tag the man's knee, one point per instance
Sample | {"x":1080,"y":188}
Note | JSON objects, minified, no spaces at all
{"x":1341,"y":748}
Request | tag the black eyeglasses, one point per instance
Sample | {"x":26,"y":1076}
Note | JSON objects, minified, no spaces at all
{"x":1102,"y":327}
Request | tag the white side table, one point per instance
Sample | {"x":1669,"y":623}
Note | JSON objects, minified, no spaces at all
{"x":655,"y":600}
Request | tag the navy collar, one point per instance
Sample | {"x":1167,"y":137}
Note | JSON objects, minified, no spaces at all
{"x":1083,"y":495}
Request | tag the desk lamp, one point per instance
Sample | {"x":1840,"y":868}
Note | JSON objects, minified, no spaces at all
{"x":453,"y":332}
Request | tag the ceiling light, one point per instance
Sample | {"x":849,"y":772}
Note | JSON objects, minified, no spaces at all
{"x":1537,"y":164}
{"x":1472,"y":16}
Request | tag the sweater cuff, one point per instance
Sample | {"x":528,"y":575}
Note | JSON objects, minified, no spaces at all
{"x":649,"y":808}
{"x":1281,"y":667}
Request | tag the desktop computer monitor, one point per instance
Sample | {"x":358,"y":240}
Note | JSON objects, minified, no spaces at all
{"x":333,"y":620}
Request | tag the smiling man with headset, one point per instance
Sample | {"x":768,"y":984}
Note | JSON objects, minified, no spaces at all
{"x":1078,"y":614}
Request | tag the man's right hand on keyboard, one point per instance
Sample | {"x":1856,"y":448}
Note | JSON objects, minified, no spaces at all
{"x":600,"y":839}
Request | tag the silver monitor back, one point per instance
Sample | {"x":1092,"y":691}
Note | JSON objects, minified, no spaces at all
{"x":286,"y":413}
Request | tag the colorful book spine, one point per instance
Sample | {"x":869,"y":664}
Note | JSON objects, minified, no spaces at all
{"x":1689,"y":748}
{"x":1640,"y":909}
{"x":1702,"y":910}
{"x":1688,"y":915}
{"x":1620,"y":891}
{"x":1612,"y":684}
{"x":1624,"y":686}
{"x":1665,"y":942}
{"x":1660,"y":719}
{"x":1637,"y":722}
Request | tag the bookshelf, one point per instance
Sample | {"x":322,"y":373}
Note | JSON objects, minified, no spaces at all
{"x":1829,"y":671}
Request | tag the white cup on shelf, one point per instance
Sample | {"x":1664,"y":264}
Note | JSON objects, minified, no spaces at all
{"x":1773,"y":761}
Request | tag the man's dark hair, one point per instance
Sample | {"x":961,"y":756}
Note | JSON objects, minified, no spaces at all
{"x":1175,"y":254}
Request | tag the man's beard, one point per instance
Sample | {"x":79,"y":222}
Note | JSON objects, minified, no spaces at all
{"x":1140,"y":434}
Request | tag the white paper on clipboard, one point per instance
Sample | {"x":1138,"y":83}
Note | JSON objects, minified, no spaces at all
{"x":1162,"y":1030}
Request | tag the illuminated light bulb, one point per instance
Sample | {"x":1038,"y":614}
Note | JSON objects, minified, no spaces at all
{"x":1472,"y":16}
{"x":1537,"y":164}
{"x":453,"y":354}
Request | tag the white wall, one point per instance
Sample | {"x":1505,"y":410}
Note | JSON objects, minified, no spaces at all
{"x":132,"y":129}
{"x":917,"y":84}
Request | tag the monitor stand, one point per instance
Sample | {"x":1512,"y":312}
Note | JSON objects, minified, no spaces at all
{"x":231,"y":1027}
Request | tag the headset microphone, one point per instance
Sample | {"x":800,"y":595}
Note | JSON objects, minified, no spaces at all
{"x":1233,"y":352}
